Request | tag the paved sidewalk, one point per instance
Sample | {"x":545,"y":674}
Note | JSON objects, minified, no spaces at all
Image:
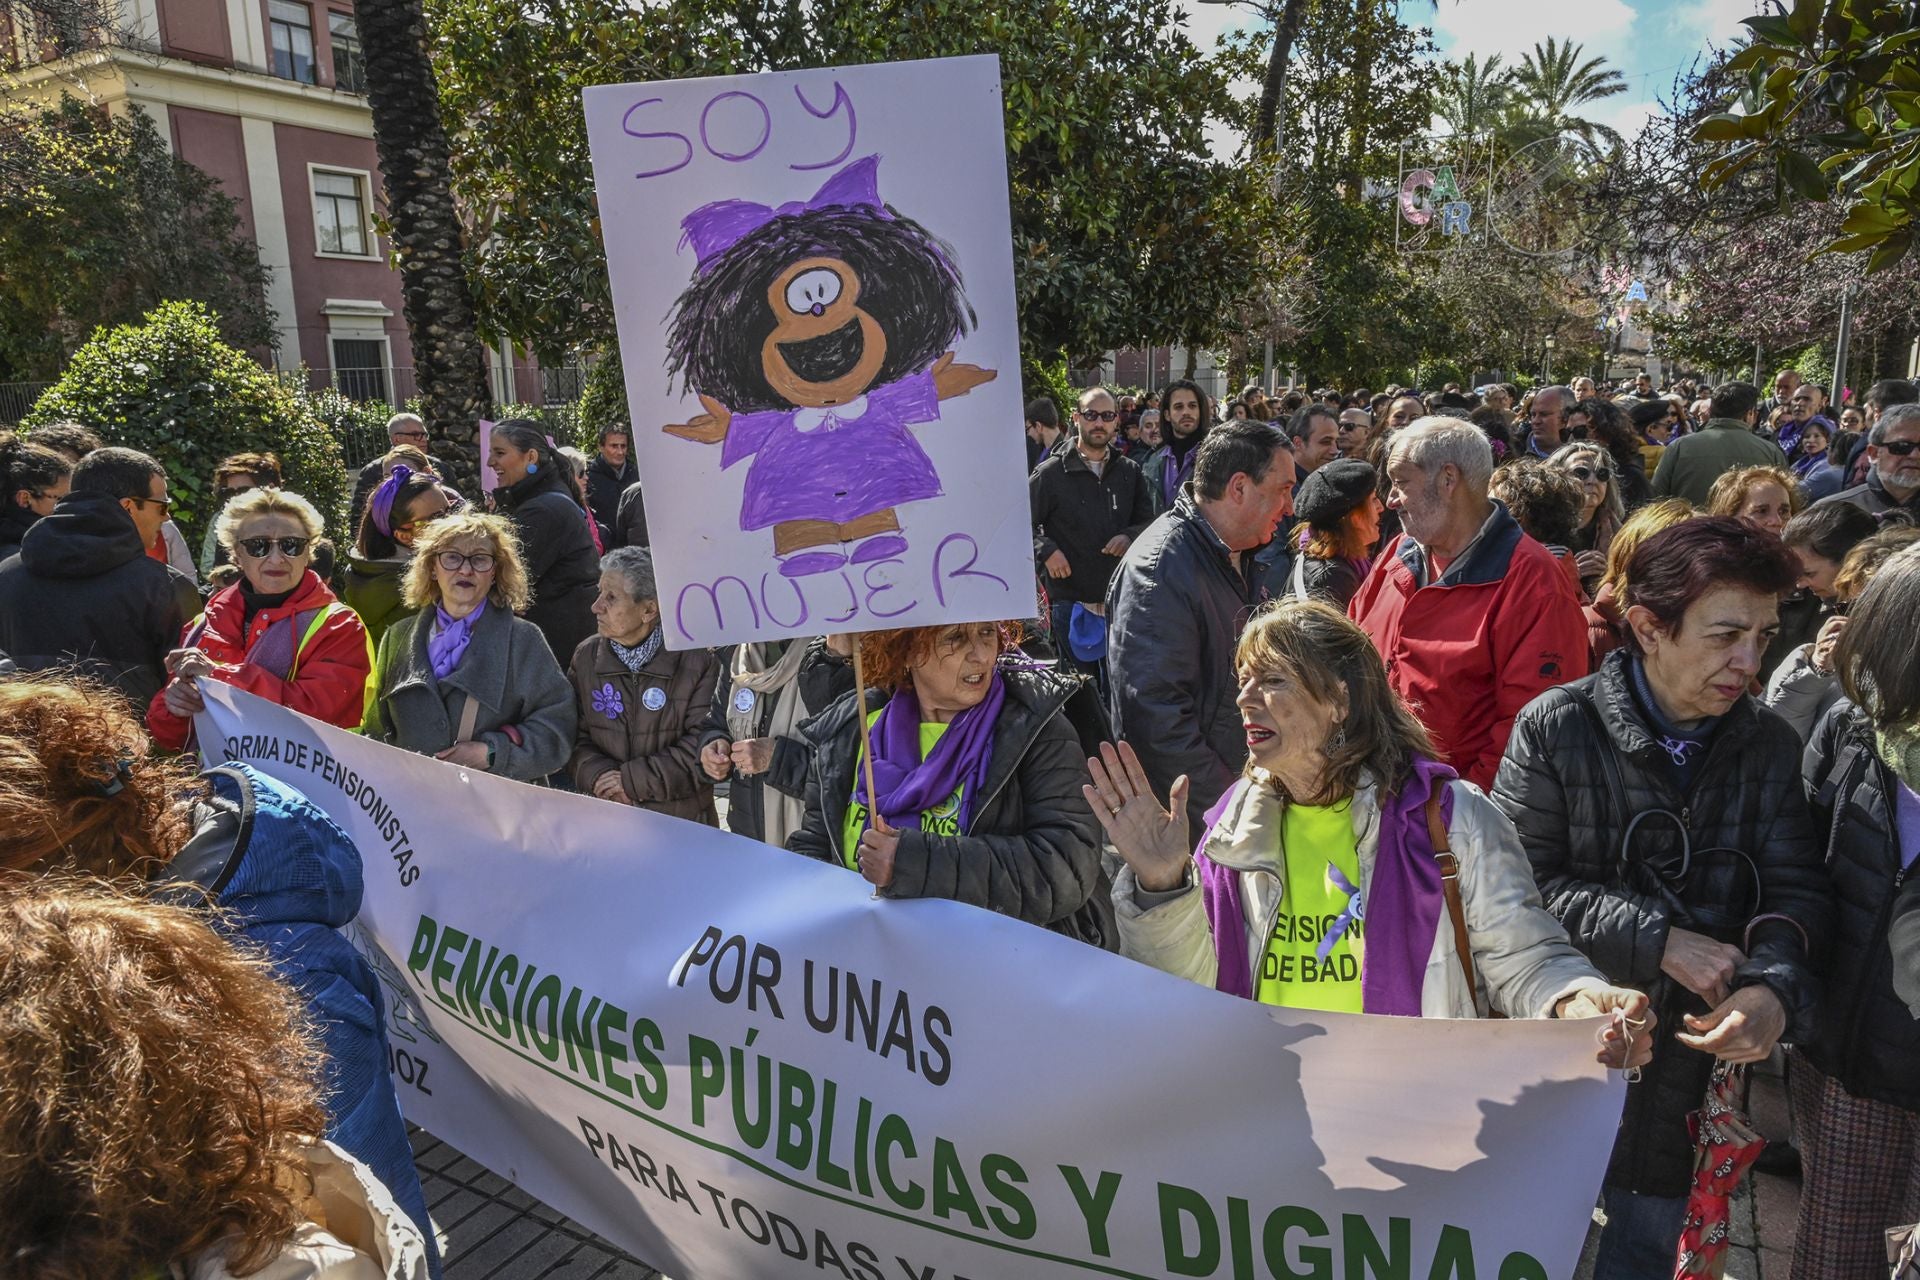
{"x":489,"y":1228}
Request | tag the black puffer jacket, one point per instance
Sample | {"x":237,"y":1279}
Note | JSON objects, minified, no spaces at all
{"x":1031,"y":849}
{"x":562,"y":566}
{"x":84,"y":593}
{"x":605,"y":485}
{"x":15,"y":520}
{"x":1175,"y":611}
{"x":823,"y":678}
{"x":1868,"y":1040}
{"x":630,"y":519}
{"x":1558,"y":783}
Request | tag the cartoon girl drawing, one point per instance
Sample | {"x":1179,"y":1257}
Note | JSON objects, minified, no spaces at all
{"x":815,"y":335}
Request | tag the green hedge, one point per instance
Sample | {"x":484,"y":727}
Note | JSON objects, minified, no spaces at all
{"x":604,"y":399}
{"x":171,"y":388}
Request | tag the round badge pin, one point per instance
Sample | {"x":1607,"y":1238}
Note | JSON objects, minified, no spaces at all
{"x":743,"y":700}
{"x":654,"y":698}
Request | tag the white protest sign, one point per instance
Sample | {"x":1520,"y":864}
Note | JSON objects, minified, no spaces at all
{"x":813,"y":281}
{"x":739,"y":1063}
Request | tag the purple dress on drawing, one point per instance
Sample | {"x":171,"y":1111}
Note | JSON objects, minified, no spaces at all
{"x":839,"y":463}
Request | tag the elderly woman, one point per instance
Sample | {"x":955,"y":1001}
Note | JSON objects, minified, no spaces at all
{"x":1856,"y":1085}
{"x":1343,"y":802}
{"x":403,"y":505}
{"x":278,"y":632}
{"x":537,"y":490}
{"x":1601,"y":511}
{"x":766,"y":691}
{"x":1823,"y":538}
{"x":81,"y":793}
{"x":978,"y":773}
{"x":462,"y":679}
{"x":642,"y":709}
{"x":182,"y":1139}
{"x":1661,"y":809}
{"x":1341,"y":507}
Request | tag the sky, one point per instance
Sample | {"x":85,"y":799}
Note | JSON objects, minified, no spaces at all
{"x":1647,"y":41}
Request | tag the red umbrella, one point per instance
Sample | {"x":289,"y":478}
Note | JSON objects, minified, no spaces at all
{"x":1724,"y":1147}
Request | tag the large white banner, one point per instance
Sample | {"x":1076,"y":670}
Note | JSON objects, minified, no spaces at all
{"x":813,"y":280}
{"x":739,"y":1063}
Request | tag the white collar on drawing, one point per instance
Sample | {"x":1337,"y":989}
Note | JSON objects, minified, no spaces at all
{"x":831,"y":416}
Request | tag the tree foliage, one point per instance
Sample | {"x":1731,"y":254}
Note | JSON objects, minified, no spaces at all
{"x":1124,"y":228}
{"x":99,"y":223}
{"x":171,"y":387}
{"x":1826,"y":97}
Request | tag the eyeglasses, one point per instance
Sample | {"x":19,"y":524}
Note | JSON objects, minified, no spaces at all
{"x":1580,"y":432}
{"x":421,"y":520}
{"x":1900,"y":448}
{"x":407,"y":435}
{"x":165,"y":504}
{"x":1583,"y":473}
{"x":454,"y":562}
{"x":1099,"y":415}
{"x":261,"y":548}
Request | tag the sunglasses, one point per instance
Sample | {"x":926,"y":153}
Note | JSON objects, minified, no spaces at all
{"x":261,"y":548}
{"x":454,"y":562}
{"x":1583,"y":473}
{"x":1901,"y":448}
{"x":1099,"y":415}
{"x":165,"y":504}
{"x":1580,"y":432}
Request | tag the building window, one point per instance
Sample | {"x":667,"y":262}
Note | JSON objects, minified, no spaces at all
{"x":340,"y":213}
{"x":360,"y":368}
{"x":349,"y":62}
{"x":292,"y":30}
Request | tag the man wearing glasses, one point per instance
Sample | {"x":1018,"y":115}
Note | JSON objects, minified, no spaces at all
{"x":1089,"y":503}
{"x":1893,"y":451}
{"x":83,"y":591}
{"x":402,"y":428}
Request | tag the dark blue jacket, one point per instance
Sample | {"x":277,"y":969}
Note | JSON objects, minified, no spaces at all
{"x":288,"y":879}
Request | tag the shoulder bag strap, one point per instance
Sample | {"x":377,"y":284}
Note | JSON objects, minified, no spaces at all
{"x":469,"y":717}
{"x":1450,"y":887}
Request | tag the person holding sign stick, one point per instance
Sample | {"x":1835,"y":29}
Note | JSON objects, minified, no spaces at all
{"x":1348,"y":869}
{"x":978,"y":775}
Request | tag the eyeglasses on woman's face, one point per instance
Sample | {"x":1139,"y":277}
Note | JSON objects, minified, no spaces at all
{"x":261,"y":548}
{"x":455,"y":561}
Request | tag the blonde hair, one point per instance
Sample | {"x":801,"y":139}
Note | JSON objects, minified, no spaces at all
{"x":1729,"y":492}
{"x":1868,"y":555}
{"x":265,"y":501}
{"x":1640,"y":526}
{"x":511,"y":589}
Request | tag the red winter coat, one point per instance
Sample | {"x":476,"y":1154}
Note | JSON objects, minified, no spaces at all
{"x":1503,"y":626}
{"x":329,"y":676}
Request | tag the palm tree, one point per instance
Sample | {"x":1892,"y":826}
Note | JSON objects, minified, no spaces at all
{"x":1474,"y":96}
{"x":449,"y":361}
{"x":1554,"y":79}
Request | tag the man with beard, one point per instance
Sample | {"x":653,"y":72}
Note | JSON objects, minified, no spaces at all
{"x":1183,"y":425}
{"x":1089,"y":504}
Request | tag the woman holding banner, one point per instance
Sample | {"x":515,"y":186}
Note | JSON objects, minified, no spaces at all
{"x":463,"y":679}
{"x":978,"y":772}
{"x":1349,"y":869}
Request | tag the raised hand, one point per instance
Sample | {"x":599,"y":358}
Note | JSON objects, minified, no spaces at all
{"x":704,"y":428}
{"x":950,"y":379}
{"x":1151,"y":837}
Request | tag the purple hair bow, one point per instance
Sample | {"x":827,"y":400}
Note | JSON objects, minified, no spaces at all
{"x":380,"y":506}
{"x":712,"y":229}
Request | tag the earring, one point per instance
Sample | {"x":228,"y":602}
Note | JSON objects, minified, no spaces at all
{"x":1338,"y":740}
{"x":533,"y":468}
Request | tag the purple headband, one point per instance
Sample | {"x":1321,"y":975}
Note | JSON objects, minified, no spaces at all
{"x":380,"y":508}
{"x":712,"y":229}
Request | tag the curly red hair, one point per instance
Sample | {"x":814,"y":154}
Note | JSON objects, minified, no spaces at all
{"x":79,"y":788}
{"x":887,"y":657}
{"x":157,"y":1088}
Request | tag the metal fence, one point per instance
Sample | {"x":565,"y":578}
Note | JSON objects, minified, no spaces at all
{"x":18,"y":397}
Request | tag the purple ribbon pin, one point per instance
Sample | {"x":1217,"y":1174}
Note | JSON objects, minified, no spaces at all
{"x":1356,"y":910}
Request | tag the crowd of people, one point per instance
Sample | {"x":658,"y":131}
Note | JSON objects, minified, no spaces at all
{"x":1443,"y":703}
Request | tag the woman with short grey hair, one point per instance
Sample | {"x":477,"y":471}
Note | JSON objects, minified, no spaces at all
{"x":643,"y":709}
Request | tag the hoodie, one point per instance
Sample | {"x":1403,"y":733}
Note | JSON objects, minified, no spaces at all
{"x":83,"y":593}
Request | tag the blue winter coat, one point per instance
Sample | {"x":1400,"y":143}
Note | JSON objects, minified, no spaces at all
{"x":288,"y":878}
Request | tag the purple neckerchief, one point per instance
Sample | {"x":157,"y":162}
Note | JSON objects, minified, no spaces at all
{"x":448,"y":642}
{"x":909,"y":785}
{"x":1404,"y":902}
{"x":380,"y":507}
{"x":714,"y":228}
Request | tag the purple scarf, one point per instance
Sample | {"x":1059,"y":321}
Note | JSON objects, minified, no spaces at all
{"x":909,"y":785}
{"x":448,"y":642}
{"x":1403,"y":907}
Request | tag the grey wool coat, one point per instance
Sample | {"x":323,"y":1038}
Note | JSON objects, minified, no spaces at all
{"x":507,"y":668}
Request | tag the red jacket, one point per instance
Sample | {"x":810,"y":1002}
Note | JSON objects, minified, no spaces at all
{"x":329,"y":676}
{"x":1503,"y":626}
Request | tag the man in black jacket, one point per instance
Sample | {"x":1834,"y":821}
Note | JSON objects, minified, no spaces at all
{"x":83,"y":592}
{"x":1175,"y":610}
{"x":610,"y":472}
{"x":1089,"y":504}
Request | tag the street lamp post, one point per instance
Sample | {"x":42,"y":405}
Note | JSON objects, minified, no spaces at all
{"x":1546,"y":360}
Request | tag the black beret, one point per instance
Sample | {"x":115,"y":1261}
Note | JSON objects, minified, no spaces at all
{"x":1335,"y":488}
